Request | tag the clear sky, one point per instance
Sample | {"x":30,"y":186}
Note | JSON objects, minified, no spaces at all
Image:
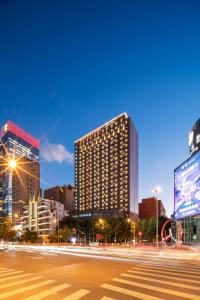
{"x":67,"y":67}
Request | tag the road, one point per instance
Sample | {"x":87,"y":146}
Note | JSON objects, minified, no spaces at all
{"x":69,"y":273}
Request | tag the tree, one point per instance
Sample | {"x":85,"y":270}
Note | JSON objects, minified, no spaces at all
{"x":65,"y":233}
{"x":30,"y":236}
{"x":7,"y":232}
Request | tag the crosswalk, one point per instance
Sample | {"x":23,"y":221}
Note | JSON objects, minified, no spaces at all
{"x":17,"y":285}
{"x":156,"y":283}
{"x":145,"y":282}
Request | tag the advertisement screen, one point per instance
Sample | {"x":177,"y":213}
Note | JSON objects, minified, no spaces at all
{"x":187,"y":188}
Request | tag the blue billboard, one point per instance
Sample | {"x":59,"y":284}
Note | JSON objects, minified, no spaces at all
{"x":187,"y":188}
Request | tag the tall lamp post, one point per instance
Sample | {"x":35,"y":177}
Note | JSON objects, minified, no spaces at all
{"x":156,"y":191}
{"x":57,"y":221}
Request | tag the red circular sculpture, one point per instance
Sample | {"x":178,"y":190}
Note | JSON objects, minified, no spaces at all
{"x":164,"y":239}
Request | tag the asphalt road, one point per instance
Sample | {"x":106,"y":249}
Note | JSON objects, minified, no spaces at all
{"x":84,"y":274}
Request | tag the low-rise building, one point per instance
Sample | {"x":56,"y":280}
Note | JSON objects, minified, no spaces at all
{"x":42,"y":216}
{"x":148,"y":208}
{"x":63,"y":194}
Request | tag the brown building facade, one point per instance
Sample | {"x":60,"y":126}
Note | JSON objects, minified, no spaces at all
{"x":106,"y":170}
{"x":63,"y":194}
{"x":148,"y":208}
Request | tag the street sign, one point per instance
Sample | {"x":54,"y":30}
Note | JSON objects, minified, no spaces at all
{"x":140,"y":234}
{"x":99,"y":236}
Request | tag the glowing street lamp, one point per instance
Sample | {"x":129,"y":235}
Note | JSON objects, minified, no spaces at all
{"x":55,"y":221}
{"x":12,"y":164}
{"x":157,"y":190}
{"x":101,"y":221}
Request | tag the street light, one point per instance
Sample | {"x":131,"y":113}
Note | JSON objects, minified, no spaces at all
{"x":156,"y":191}
{"x":12,"y":163}
{"x":100,"y":221}
{"x":57,"y":221}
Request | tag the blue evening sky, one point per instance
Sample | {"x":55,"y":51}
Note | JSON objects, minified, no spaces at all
{"x":67,"y":67}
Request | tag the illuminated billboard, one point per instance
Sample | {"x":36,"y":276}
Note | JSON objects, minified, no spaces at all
{"x":187,"y":188}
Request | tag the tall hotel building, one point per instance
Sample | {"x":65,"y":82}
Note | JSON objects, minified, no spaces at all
{"x":106,"y":170}
{"x":21,"y":182}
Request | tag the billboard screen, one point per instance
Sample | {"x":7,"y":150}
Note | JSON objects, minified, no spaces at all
{"x":187,"y":188}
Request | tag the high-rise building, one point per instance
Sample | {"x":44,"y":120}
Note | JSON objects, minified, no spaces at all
{"x":148,"y":208}
{"x":106,"y":170}
{"x":63,"y":194}
{"x":19,"y":169}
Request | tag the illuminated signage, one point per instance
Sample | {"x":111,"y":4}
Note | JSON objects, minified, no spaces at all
{"x":187,"y":188}
{"x":11,"y":127}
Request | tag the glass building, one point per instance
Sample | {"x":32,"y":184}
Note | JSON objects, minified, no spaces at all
{"x":18,"y":184}
{"x":106,"y":170}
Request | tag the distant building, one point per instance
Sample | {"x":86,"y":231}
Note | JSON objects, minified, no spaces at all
{"x":63,"y":194}
{"x":106,"y":170}
{"x":20,"y":183}
{"x":42,"y":216}
{"x":148,"y":208}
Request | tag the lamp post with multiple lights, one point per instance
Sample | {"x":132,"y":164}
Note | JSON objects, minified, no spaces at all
{"x":156,"y":191}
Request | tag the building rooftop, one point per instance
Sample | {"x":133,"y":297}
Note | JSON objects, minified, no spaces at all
{"x":105,"y":124}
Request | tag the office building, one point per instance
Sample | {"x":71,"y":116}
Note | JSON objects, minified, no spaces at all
{"x":19,"y":170}
{"x":148,"y":208}
{"x":187,"y":190}
{"x":42,"y":216}
{"x":106,"y":170}
{"x":63,"y":194}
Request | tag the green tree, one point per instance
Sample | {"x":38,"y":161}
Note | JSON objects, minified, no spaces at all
{"x":65,"y":233}
{"x":30,"y":236}
{"x":7,"y":232}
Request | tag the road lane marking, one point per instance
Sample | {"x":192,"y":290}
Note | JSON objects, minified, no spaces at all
{"x":164,"y":276}
{"x":15,"y":277}
{"x":176,"y":269}
{"x":25,"y":289}
{"x":48,"y":292}
{"x":3,"y":286}
{"x":10,"y":273}
{"x":77,"y":295}
{"x":166,"y":272}
{"x":158,"y":289}
{"x":185,"y":286}
{"x":129,"y":292}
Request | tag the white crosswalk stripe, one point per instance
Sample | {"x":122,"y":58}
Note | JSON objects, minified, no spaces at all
{"x":163,"y":276}
{"x":77,"y":295}
{"x":150,"y":279}
{"x":5,"y":270}
{"x":159,"y":270}
{"x":176,"y":269}
{"x":25,"y":289}
{"x":47,"y":293}
{"x":10,"y":273}
{"x":12,"y":277}
{"x":128,"y":292}
{"x":186,"y":286}
{"x":19,"y":281}
{"x":3,"y":286}
{"x":157,"y":289}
